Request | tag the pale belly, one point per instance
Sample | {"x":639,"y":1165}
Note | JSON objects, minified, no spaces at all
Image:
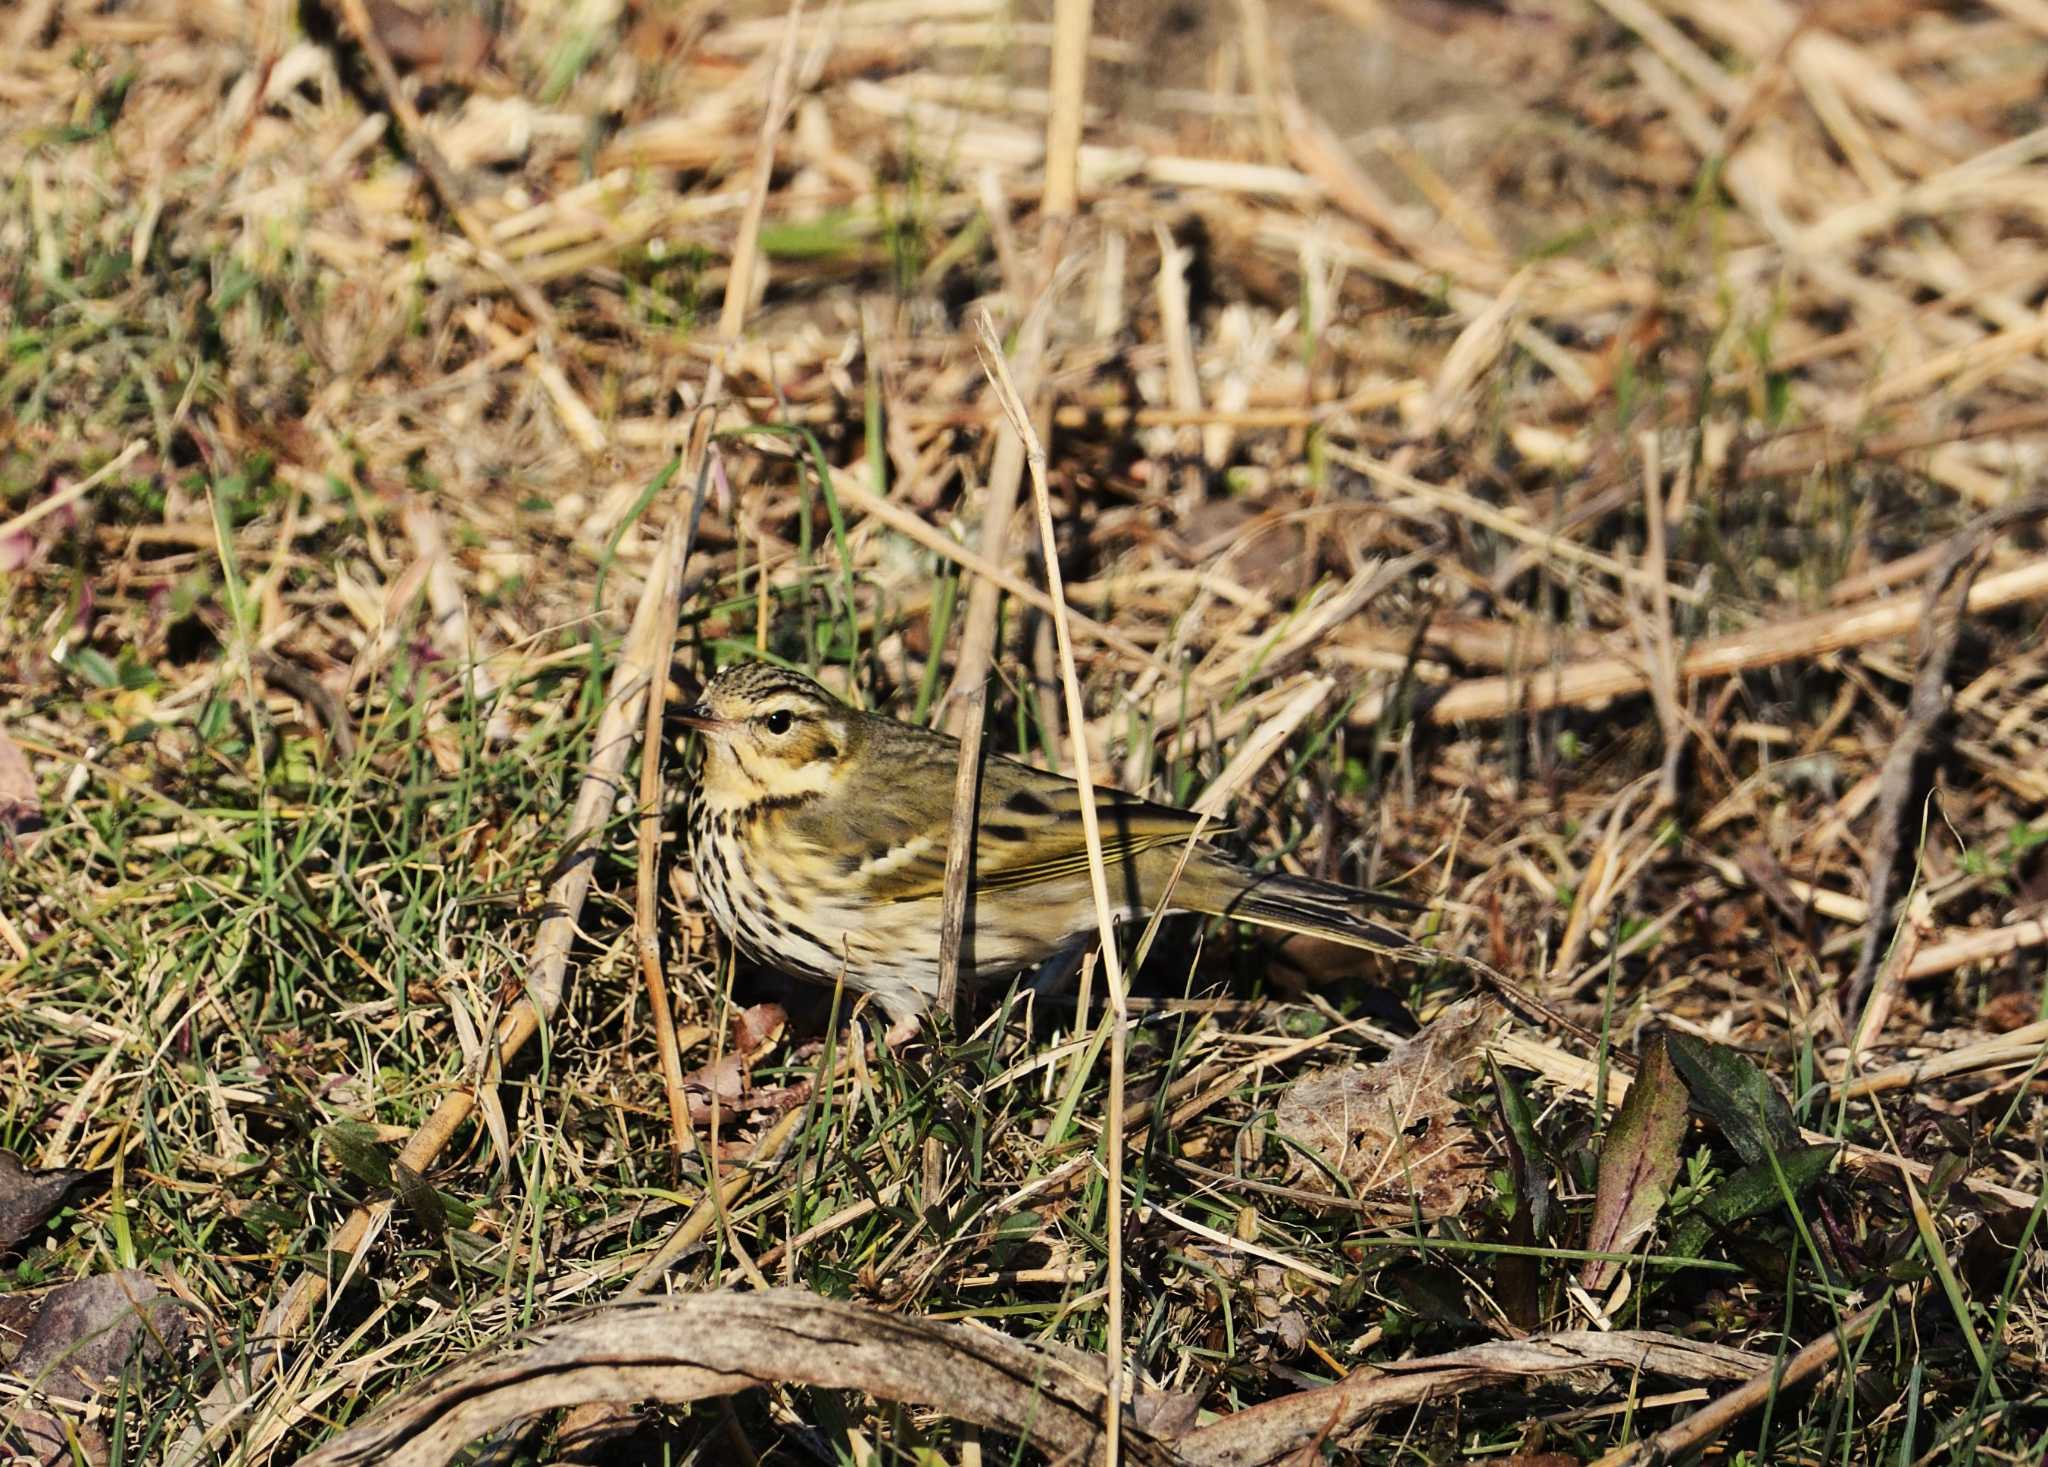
{"x":821,"y":935}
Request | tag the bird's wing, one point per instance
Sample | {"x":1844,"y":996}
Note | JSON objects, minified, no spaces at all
{"x":1031,"y":832}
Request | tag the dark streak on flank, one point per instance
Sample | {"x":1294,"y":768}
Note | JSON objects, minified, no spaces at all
{"x":803,"y":934}
{"x":1014,"y":833}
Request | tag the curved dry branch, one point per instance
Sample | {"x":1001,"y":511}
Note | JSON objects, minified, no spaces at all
{"x":692,"y":1346}
{"x":689,"y":1347}
{"x":1280,"y":1431}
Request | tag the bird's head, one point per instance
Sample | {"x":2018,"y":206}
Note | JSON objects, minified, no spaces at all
{"x":769,"y":735}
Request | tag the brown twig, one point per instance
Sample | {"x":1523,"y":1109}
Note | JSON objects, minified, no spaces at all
{"x":1944,"y":605}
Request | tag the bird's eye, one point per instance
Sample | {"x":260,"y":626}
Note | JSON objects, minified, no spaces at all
{"x":779,"y":721}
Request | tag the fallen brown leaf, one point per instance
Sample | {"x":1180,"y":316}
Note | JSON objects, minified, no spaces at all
{"x":28,"y":1197}
{"x":21,"y":803}
{"x":85,"y":1332}
{"x":1391,"y":1129}
{"x":79,"y":1336}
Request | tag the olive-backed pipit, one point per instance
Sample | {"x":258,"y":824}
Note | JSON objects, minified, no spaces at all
{"x":819,"y":836}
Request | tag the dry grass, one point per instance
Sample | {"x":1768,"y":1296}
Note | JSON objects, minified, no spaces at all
{"x":1529,"y":431}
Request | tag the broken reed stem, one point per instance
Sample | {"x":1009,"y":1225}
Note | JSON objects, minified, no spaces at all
{"x":960,"y":848}
{"x":1662,"y":649}
{"x":230,"y":1401}
{"x":739,"y":285}
{"x":1098,"y":877}
{"x":1006,"y":473}
{"x":1071,"y":23}
{"x":1880,"y":620}
{"x":977,"y":637}
{"x":960,"y":831}
{"x":646,"y":906}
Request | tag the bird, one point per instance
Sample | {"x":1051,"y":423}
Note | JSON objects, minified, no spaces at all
{"x":819,"y":833}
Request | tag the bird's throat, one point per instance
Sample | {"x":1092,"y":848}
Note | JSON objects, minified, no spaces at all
{"x":738,"y":778}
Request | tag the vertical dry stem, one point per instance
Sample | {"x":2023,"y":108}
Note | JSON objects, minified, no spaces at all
{"x":1098,"y":877}
{"x":1661,"y":649}
{"x":646,"y":907}
{"x":1071,"y":21}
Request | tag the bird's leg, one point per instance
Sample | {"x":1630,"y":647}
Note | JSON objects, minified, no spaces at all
{"x":1056,"y":974}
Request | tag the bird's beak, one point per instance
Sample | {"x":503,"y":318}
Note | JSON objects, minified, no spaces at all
{"x":702,"y":719}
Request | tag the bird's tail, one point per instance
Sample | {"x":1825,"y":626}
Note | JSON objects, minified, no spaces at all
{"x":1313,"y":908}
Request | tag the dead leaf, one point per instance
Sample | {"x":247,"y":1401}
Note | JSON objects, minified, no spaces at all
{"x":1254,"y":545}
{"x":2010,"y":1011}
{"x":455,"y":44}
{"x":75,"y":1338}
{"x":1637,"y":1162}
{"x":16,"y":550}
{"x":21,"y":803}
{"x":86,"y":1332}
{"x":722,"y":1077}
{"x":757,"y":1027}
{"x":1391,"y":1129}
{"x":32,"y":1436}
{"x":1165,"y":1415}
{"x":28,"y":1197}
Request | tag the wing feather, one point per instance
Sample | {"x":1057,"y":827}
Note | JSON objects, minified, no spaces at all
{"x":1031,"y":832}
